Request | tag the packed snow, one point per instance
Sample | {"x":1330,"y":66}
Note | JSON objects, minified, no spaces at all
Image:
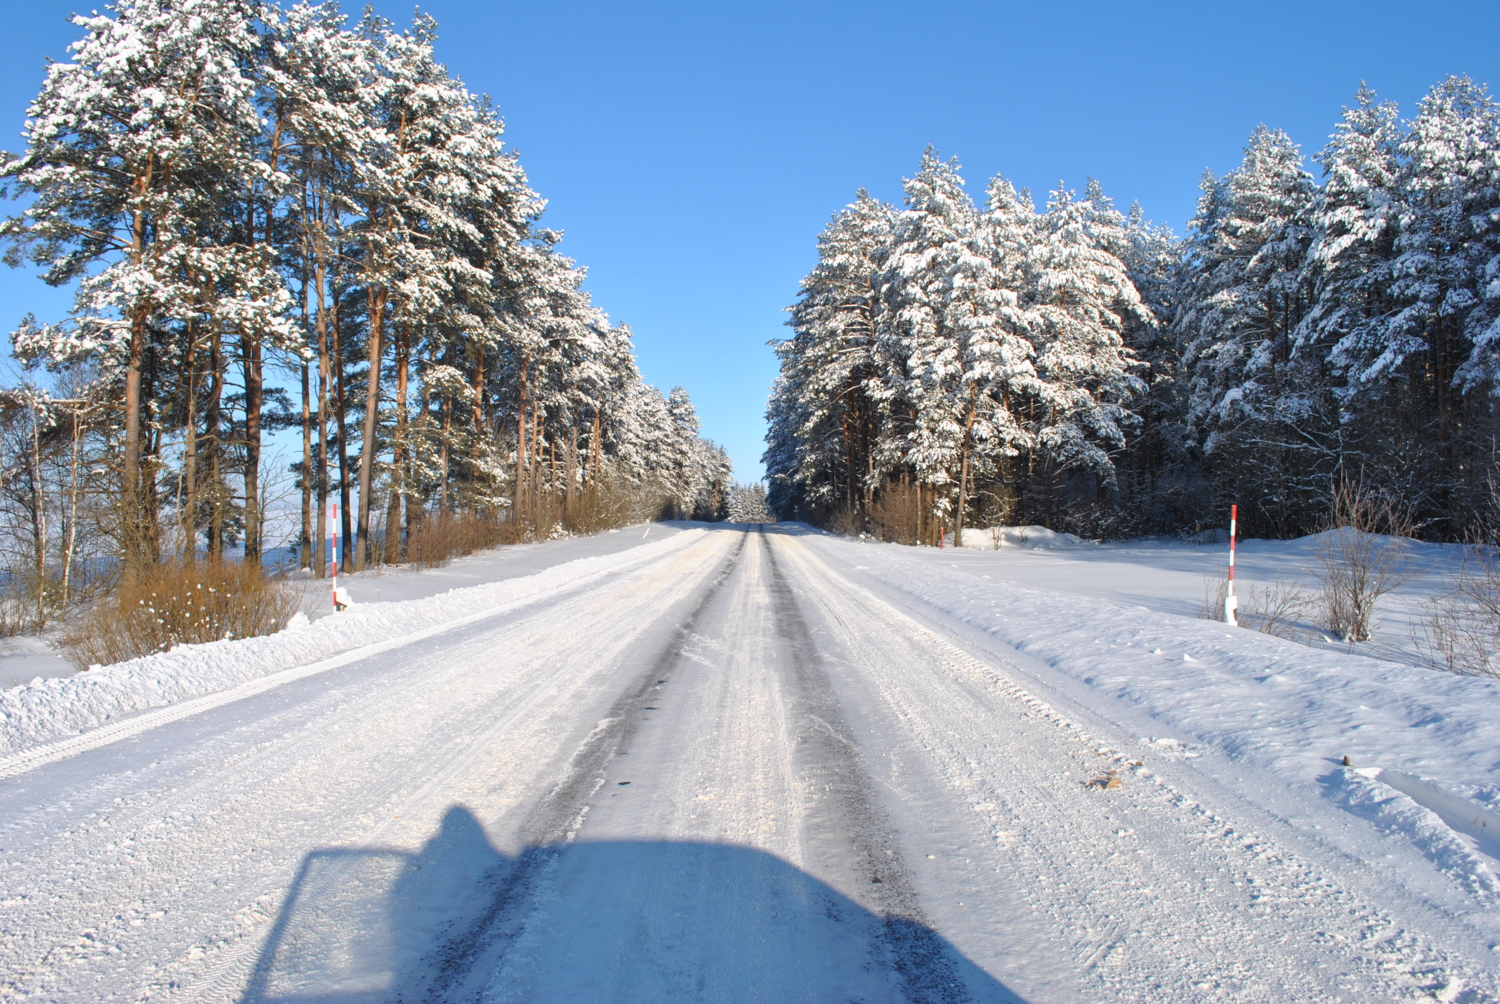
{"x":760,"y":763}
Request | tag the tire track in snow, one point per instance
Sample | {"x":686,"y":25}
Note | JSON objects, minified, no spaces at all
{"x":851,"y":835}
{"x":96,"y":738}
{"x":212,"y":816}
{"x":1143,"y":894}
{"x":843,"y":837}
{"x":462,"y":964}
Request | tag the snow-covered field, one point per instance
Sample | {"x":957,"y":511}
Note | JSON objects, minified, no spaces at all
{"x":729,"y":763}
{"x":1168,"y":575}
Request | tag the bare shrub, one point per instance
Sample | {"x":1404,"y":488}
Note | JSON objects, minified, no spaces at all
{"x":17,"y":616}
{"x":540,"y":520}
{"x":609,"y":501}
{"x":24,"y":607}
{"x":845,"y":521}
{"x":894,"y":514}
{"x":180,"y":603}
{"x":437,"y":539}
{"x":1361,"y":555}
{"x":1215,"y":591}
{"x":613,"y":500}
{"x":1461,"y":632}
{"x":1274,"y":610}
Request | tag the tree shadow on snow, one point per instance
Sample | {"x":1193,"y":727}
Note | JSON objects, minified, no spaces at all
{"x":622,"y":921}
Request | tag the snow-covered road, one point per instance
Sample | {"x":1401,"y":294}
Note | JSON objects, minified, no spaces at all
{"x":729,"y":766}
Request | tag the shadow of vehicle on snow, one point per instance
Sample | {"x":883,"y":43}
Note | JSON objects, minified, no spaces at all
{"x":607,"y":921}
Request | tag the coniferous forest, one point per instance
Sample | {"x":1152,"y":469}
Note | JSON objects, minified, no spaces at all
{"x":1319,"y":326}
{"x":279,"y":219}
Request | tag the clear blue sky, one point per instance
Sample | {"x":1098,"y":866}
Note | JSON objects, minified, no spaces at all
{"x":692,"y":151}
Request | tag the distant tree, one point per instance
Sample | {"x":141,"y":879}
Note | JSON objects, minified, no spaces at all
{"x":747,"y":504}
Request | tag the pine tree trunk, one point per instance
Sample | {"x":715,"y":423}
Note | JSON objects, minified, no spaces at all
{"x":596,"y":448}
{"x":72,"y":535}
{"x":151,"y":501}
{"x":131,"y":511}
{"x":517,"y":502}
{"x":132,"y":547}
{"x":325,"y":382}
{"x":476,"y":425}
{"x":963,"y":497}
{"x":320,"y":559}
{"x":398,"y":454}
{"x":188,"y":514}
{"x":38,"y":516}
{"x":305,"y":551}
{"x":869,"y":478}
{"x":568,"y":491}
{"x":443,"y":452}
{"x":377,"y":299}
{"x":534,"y":472}
{"x":305,"y":557}
{"x":254,"y":398}
{"x":340,"y":415}
{"x":921,"y":514}
{"x":963,"y":469}
{"x":213,"y":427}
{"x":254,"y":348}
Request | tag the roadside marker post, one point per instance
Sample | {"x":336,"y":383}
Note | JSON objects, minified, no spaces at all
{"x":333,"y":549}
{"x":1231,"y":603}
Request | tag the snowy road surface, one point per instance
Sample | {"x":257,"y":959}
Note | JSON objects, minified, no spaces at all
{"x":731,"y":766}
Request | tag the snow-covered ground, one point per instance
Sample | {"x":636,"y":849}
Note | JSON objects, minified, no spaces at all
{"x":1168,"y":575}
{"x":741,"y":764}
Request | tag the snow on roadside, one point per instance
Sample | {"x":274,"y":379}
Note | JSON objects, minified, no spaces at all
{"x":48,"y":709}
{"x":1431,"y":736}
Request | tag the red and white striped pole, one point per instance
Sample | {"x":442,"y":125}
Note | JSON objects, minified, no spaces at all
{"x":333,"y":549}
{"x":1231,"y":604}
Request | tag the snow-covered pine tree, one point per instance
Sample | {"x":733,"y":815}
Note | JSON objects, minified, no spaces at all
{"x":1446,"y":290}
{"x":1448,"y":242}
{"x":1156,"y":474}
{"x":1002,"y":369}
{"x":918,"y":353}
{"x":952,"y":339}
{"x":747,"y":504}
{"x":987,"y":313}
{"x":1261,"y":420}
{"x":346,"y":163}
{"x":321,"y":86}
{"x":826,"y":420}
{"x":1354,"y":221}
{"x":136,"y":150}
{"x":1081,"y":299}
{"x":679,"y":461}
{"x":399,"y":195}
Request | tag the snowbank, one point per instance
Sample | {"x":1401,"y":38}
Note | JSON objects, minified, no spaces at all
{"x":1035,"y":537}
{"x":48,"y":709}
